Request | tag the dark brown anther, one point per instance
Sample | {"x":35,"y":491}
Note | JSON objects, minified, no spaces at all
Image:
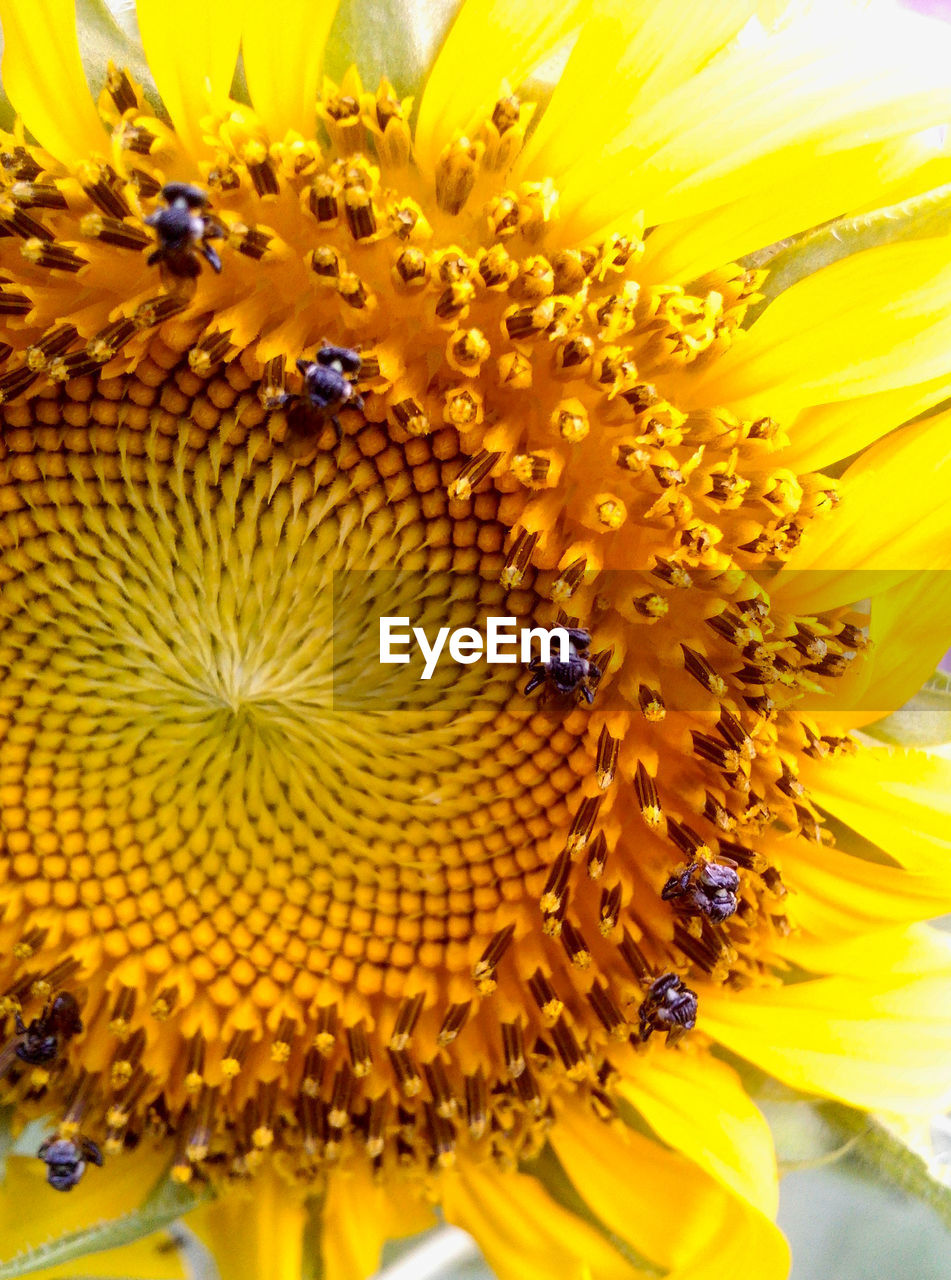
{"x":412,"y":267}
{"x":513,"y":1048}
{"x":105,"y":191}
{"x":634,"y":958}
{"x":606,"y":765}
{"x":597,"y":857}
{"x":406,"y":1020}
{"x":323,"y":199}
{"x":358,"y":1045}
{"x":583,"y":824}
{"x":476,"y":1104}
{"x":120,"y":90}
{"x":519,"y":557}
{"x":575,"y":946}
{"x":453,"y":1023}
{"x":569,"y":1051}
{"x":360,"y":213}
{"x":609,"y":910}
{"x":608,"y":1014}
{"x":553,"y":894}
{"x":486,"y":965}
{"x":715,"y":751}
{"x":35,"y":195}
{"x":544,"y":995}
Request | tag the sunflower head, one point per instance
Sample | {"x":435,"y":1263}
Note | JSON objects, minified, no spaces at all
{"x":273,"y":374}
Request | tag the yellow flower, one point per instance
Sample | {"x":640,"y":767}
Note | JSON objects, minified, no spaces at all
{"x":347,"y":945}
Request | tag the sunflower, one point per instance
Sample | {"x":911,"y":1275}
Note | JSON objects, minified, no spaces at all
{"x":332,"y":945}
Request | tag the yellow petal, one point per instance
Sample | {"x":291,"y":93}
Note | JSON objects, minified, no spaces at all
{"x":256,"y":1232}
{"x":666,"y":1207}
{"x":645,"y":63}
{"x":813,"y":189}
{"x":898,"y":799}
{"x":879,"y":1039}
{"x":360,"y":1216}
{"x":698,"y":1105}
{"x":869,"y":544}
{"x":283,"y":48}
{"x":736,"y":127}
{"x":192,"y":50}
{"x":825,"y":433}
{"x":31,"y":1213}
{"x":873,"y":322}
{"x":491,"y":41}
{"x":523,"y":1232}
{"x":44,"y":79}
{"x":834,"y":894}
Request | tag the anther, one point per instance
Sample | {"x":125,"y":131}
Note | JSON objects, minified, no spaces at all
{"x":456,"y":171}
{"x":544,"y":995}
{"x":569,"y":580}
{"x":360,"y":213}
{"x":607,"y":1012}
{"x":597,"y":857}
{"x":518,"y":558}
{"x":476,"y":1104}
{"x":36,"y":195}
{"x":553,"y":893}
{"x":341,"y":1094}
{"x":651,"y":704}
{"x":484,"y":969}
{"x":52,"y":256}
{"x":473,"y":472}
{"x":409,"y":415}
{"x":607,"y":758}
{"x":438,"y":1083}
{"x":646,"y":793}
{"x":325,"y":1034}
{"x":407,"y":1076}
{"x":120,"y":1019}
{"x":411,"y":268}
{"x":54,"y":343}
{"x":322,"y":199}
{"x":569,"y":1051}
{"x":609,"y":910}
{"x":452,"y":1023}
{"x":634,"y":958}
{"x":406,"y":1020}
{"x":513,"y":1048}
{"x":575,"y":946}
{"x":698,"y":667}
{"x":358,"y":1045}
{"x":583,"y":824}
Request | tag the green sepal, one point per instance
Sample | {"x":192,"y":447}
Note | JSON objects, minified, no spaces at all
{"x":792,"y":260}
{"x":550,"y":1172}
{"x":166,"y":1201}
{"x":924,"y":721}
{"x":392,"y":38}
{"x":885,"y":1156}
{"x":103,"y":38}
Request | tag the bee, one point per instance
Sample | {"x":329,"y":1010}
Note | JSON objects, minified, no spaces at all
{"x":66,"y":1160}
{"x":328,"y":389}
{"x":40,"y":1041}
{"x":578,"y":674}
{"x":183,"y":230}
{"x":668,"y":1006}
{"x":707,"y":888}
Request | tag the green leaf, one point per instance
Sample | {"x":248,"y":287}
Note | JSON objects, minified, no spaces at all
{"x":167,"y":1201}
{"x":924,"y":721}
{"x":550,"y":1172}
{"x":390,"y":38}
{"x":792,"y":260}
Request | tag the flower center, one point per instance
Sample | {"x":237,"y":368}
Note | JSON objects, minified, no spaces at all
{"x":305,"y":898}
